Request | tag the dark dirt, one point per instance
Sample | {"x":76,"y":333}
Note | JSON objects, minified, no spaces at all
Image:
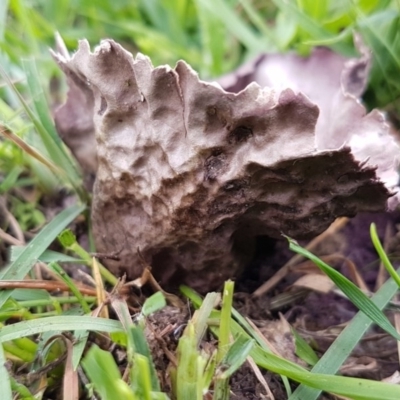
{"x":319,"y":318}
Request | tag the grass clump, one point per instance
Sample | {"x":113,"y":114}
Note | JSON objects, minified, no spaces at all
{"x":200,"y":369}
{"x":60,"y":330}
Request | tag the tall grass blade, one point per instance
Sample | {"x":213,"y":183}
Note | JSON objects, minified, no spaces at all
{"x":355,"y":295}
{"x":51,"y":141}
{"x":341,"y":348}
{"x":354,"y":388}
{"x":58,"y":323}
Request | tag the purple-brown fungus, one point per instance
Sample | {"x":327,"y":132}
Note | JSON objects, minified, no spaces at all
{"x":190,"y":174}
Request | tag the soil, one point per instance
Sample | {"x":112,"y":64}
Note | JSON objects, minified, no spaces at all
{"x":318,"y":317}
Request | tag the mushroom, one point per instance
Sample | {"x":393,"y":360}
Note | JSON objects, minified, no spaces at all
{"x":190,"y":174}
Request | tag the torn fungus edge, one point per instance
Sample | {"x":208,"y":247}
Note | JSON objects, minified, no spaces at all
{"x":191,"y":174}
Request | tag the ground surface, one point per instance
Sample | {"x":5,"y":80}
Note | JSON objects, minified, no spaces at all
{"x":318,"y":317}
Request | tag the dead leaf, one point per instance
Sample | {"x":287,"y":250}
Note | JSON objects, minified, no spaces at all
{"x":316,"y":282}
{"x":70,"y":379}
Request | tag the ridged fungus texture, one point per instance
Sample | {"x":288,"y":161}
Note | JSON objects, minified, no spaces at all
{"x":191,"y":174}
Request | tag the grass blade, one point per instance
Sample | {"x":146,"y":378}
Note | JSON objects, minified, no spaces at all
{"x":235,"y":25}
{"x":382,"y":255}
{"x":221,"y":386}
{"x":30,"y":150}
{"x":235,"y":357}
{"x":47,"y":256}
{"x":44,"y":123}
{"x":257,"y":19}
{"x":189,"y":377}
{"x":103,"y":372}
{"x":24,"y":262}
{"x":191,"y":364}
{"x":40,"y":103}
{"x":69,"y":242}
{"x":341,"y":348}
{"x":140,"y":346}
{"x":3,"y":18}
{"x":312,"y":27}
{"x":355,"y":295}
{"x":214,"y":42}
{"x":349,"y":387}
{"x":21,"y":390}
{"x":80,"y":341}
{"x":5,"y":383}
{"x":224,"y":327}
{"x":59,"y":323}
{"x":50,"y":139}
{"x":200,"y":317}
{"x":152,"y":304}
{"x":304,"y":350}
{"x":141,"y":377}
{"x":70,"y":283}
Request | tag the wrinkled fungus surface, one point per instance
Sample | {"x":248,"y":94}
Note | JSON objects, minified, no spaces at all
{"x":190,"y":174}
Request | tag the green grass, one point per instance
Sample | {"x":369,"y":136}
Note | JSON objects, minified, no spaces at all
{"x":196,"y":370}
{"x":214,"y":36}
